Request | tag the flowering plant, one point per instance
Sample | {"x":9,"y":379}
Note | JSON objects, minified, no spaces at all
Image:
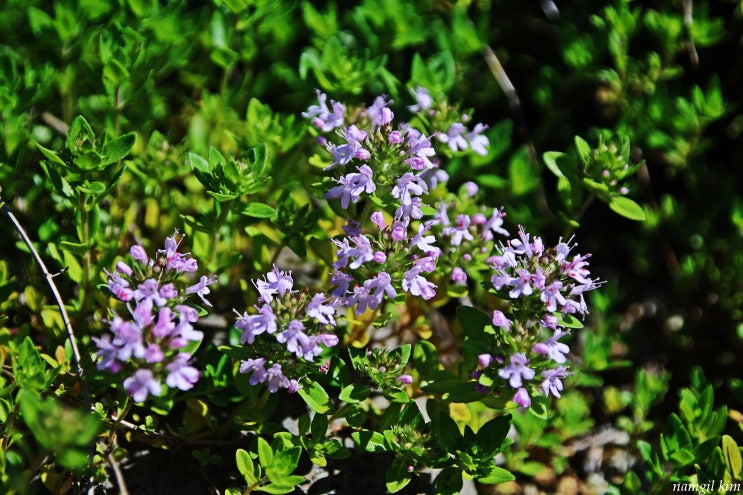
{"x":159,"y":340}
{"x":393,"y":288}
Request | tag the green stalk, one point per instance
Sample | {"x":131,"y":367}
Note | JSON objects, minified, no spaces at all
{"x":87,"y":259}
{"x":224,"y":210}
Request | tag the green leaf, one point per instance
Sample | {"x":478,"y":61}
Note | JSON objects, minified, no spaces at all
{"x":550,"y":159}
{"x":224,"y":57}
{"x":315,"y":396}
{"x":95,"y":188}
{"x":280,"y":488}
{"x":411,"y":416}
{"x":473,"y":320}
{"x":464,"y":392}
{"x":397,"y":476}
{"x":401,"y":355}
{"x":335,"y":449}
{"x":51,"y":155}
{"x":524,"y":178}
{"x":258,"y":157}
{"x":397,"y":395}
{"x":627,"y":208}
{"x":354,"y":393}
{"x":319,"y":427}
{"x":80,"y":138}
{"x":584,"y":150}
{"x":118,"y":148}
{"x":540,"y":407}
{"x":63,"y":430}
{"x":569,"y":321}
{"x":650,"y":457}
{"x":491,"y":435}
{"x":222,"y":198}
{"x":78,"y":248}
{"x":60,"y":183}
{"x":447,"y":432}
{"x":449,"y":481}
{"x":531,"y":468}
{"x":682,"y":458}
{"x":732,"y":456}
{"x":284,"y":463}
{"x":370,"y":441}
{"x":425,"y":357}
{"x":115,"y":73}
{"x":198,"y":163}
{"x":258,"y":210}
{"x":497,"y":475}
{"x":704,"y":450}
{"x":265,"y":454}
{"x":29,"y":369}
{"x":245,"y":466}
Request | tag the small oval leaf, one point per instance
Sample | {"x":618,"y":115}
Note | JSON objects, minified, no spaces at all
{"x":627,"y":208}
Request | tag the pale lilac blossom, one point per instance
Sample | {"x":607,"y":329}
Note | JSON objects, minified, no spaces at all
{"x":552,"y":348}
{"x":454,"y":137}
{"x":423,"y":99}
{"x":552,"y":383}
{"x":322,"y":117}
{"x":517,"y":371}
{"x":142,"y":384}
{"x":180,"y":374}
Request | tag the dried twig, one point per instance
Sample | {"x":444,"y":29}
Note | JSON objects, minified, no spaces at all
{"x":688,"y":23}
{"x":513,"y":98}
{"x":515,"y":104}
{"x":117,"y":473}
{"x":55,"y":123}
{"x":60,"y":303}
{"x":57,"y":296}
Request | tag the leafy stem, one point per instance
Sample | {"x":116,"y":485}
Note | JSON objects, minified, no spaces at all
{"x":224,"y":210}
{"x":85,"y":239}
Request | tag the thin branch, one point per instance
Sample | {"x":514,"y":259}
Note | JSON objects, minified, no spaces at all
{"x":57,"y":296}
{"x":55,"y":123}
{"x":117,"y":473}
{"x":688,"y":23}
{"x":515,"y":104}
{"x":513,"y":98}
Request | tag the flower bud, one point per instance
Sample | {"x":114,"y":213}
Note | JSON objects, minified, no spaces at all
{"x":395,"y":137}
{"x":471,"y":188}
{"x":485,"y":360}
{"x":378,"y":218}
{"x":122,"y":267}
{"x":406,"y":379}
{"x":458,"y":275}
{"x":521,"y":397}
{"x":138,"y":253}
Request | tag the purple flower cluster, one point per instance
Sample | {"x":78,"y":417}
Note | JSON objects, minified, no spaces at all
{"x":299,"y":327}
{"x":374,"y":160}
{"x":150,"y":345}
{"x":388,"y":174}
{"x":549,"y":284}
{"x":524,"y":267}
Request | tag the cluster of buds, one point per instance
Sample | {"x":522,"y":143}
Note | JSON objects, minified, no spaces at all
{"x":153,"y":344}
